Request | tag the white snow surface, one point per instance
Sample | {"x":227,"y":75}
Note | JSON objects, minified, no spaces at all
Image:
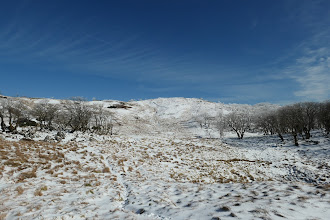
{"x":155,"y":168}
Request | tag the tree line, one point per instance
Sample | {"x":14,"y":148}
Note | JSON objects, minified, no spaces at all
{"x":71,"y":115}
{"x":298,"y":120}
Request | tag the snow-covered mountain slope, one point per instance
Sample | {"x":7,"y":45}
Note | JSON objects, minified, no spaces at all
{"x":186,"y":108}
{"x":172,"y":115}
{"x":155,"y":168}
{"x":176,"y":116}
{"x":181,"y":115}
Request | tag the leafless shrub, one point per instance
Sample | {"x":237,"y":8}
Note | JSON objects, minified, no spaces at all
{"x":324,"y":116}
{"x":16,"y":110}
{"x":45,"y":113}
{"x":103,"y":121}
{"x":79,"y":115}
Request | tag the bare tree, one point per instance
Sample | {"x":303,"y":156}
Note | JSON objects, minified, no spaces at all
{"x":44,"y":112}
{"x":62,"y":119}
{"x":324,"y":116}
{"x":264,"y":122}
{"x":39,"y":112}
{"x":309,"y":112}
{"x":204,"y":120}
{"x":103,"y":120}
{"x":239,"y":121}
{"x":270,"y":123}
{"x":110,"y":123}
{"x":79,"y":115}
{"x":16,"y":111}
{"x":52,"y":110}
{"x":2,"y":114}
{"x":291,"y":118}
{"x":220,"y":123}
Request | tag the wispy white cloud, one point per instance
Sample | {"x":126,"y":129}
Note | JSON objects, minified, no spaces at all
{"x":119,"y":54}
{"x":308,"y":63}
{"x":115,"y":55}
{"x":311,"y":69}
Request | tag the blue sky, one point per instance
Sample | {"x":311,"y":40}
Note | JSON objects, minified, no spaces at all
{"x":220,"y":50}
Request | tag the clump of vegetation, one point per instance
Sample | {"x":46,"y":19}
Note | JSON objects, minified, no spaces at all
{"x":3,"y":216}
{"x":106,"y":170}
{"x":38,"y":192}
{"x":29,"y":174}
{"x":19,"y":190}
{"x":72,"y":115}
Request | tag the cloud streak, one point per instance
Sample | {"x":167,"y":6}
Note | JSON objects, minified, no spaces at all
{"x":308,"y":63}
{"x":123,"y":56}
{"x":83,"y":48}
{"x":116,"y":54}
{"x":311,"y":69}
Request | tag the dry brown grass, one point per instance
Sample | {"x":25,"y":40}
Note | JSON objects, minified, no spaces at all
{"x":27,"y":154}
{"x":121,"y":161}
{"x":38,"y":192}
{"x":43,"y":188}
{"x":3,"y":216}
{"x":13,"y":163}
{"x":27,"y":175}
{"x":51,"y":172}
{"x":106,"y":170}
{"x":19,"y":190}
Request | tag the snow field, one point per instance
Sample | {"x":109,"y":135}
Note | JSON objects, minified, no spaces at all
{"x":154,"y":168}
{"x":136,"y":177}
{"x":55,"y":180}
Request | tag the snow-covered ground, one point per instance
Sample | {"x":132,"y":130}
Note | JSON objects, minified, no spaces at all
{"x":135,"y":177}
{"x":155,"y":168}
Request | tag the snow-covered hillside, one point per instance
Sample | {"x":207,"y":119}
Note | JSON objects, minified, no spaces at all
{"x":154,"y":167}
{"x":173,"y":116}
